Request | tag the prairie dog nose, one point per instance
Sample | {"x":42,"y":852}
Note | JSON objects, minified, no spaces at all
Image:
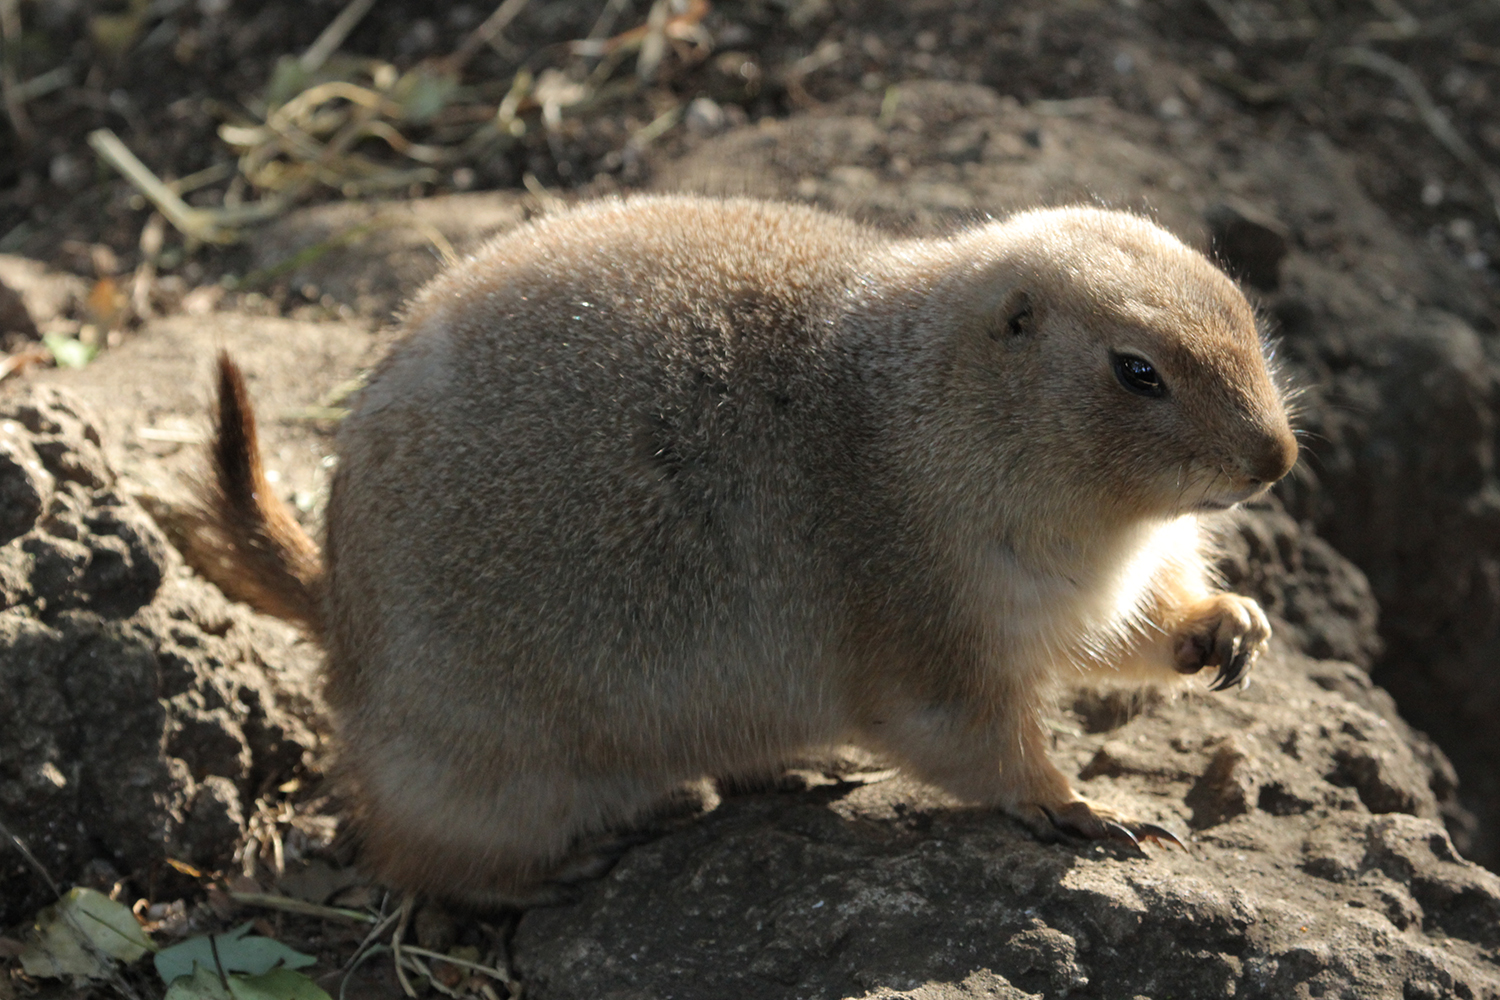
{"x":1272,"y":459}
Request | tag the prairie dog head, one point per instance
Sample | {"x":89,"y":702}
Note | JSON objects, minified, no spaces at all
{"x":1123,"y":371}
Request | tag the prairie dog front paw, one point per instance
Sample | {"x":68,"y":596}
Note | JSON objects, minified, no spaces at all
{"x":1227,"y":631}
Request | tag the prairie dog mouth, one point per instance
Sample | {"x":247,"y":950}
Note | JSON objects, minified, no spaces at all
{"x":1224,"y":501}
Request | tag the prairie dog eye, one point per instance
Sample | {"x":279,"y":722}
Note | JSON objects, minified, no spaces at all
{"x":1138,"y":375}
{"x":1020,"y":319}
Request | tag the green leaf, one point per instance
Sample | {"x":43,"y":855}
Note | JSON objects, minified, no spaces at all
{"x":423,"y":92}
{"x":77,"y":935}
{"x":253,"y":956}
{"x":288,"y":80}
{"x":203,"y":984}
{"x":68,"y":352}
{"x":278,"y":984}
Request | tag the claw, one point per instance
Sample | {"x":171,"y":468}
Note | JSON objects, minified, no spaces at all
{"x":1120,"y":832}
{"x":1242,"y":665}
{"x":1232,"y":671}
{"x":1224,"y":652}
{"x":1158,"y":834}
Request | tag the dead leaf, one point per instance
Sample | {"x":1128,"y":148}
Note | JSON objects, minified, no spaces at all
{"x":106,"y":303}
{"x":79,"y":934}
{"x":185,"y":868}
{"x":22,"y":360}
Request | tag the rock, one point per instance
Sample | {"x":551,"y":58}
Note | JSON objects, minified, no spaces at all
{"x":1400,"y":406}
{"x":1324,"y":603}
{"x":705,"y":117}
{"x":25,"y":484}
{"x":1249,"y":243}
{"x":935,"y":158}
{"x":214,"y":824}
{"x":138,"y":716}
{"x":878,"y":891}
{"x":371,"y":255}
{"x":1225,"y":789}
{"x":34,"y":296}
{"x":16,"y":324}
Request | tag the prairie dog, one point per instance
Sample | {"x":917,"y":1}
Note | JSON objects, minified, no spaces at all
{"x":670,"y":487}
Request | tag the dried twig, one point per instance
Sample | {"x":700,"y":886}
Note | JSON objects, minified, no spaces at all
{"x":605,"y":23}
{"x":547,"y":202}
{"x":371,"y":938}
{"x":36,"y":865}
{"x":12,"y":364}
{"x":649,"y":133}
{"x":488,"y":970}
{"x":653,"y":42}
{"x":15,"y":103}
{"x":328,"y":42}
{"x":1398,"y":24}
{"x":196,"y":223}
{"x":40,"y":86}
{"x":487,"y":32}
{"x":407,"y":905}
{"x":686,"y":26}
{"x":1249,"y":34}
{"x":145,"y":272}
{"x":202,"y":178}
{"x":288,"y":904}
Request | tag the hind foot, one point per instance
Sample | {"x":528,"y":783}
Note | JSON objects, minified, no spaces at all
{"x":1085,"y":820}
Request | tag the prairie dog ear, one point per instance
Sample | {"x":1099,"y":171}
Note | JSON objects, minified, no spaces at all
{"x":1014,"y":317}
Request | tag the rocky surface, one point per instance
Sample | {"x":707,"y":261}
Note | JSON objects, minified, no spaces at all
{"x":369,"y":256}
{"x":1322,"y":601}
{"x":1403,"y":409}
{"x":153,"y":393}
{"x":33,"y":296}
{"x":140,"y":714}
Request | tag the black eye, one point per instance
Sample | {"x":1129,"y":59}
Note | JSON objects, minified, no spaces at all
{"x":1019,"y":320}
{"x":1138,"y":375}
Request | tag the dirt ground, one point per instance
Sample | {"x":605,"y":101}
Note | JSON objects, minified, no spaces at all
{"x":1404,"y":91}
{"x":1407,"y":90}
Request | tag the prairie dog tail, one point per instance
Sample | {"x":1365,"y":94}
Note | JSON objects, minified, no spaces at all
{"x":248,"y":543}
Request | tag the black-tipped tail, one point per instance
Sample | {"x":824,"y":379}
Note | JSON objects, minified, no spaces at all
{"x":247,"y":541}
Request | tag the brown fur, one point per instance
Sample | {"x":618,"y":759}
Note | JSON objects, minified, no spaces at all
{"x":244,"y":540}
{"x":670,"y":487}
